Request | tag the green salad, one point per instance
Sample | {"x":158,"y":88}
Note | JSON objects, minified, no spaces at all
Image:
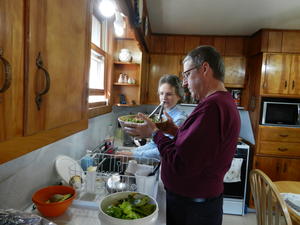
{"x":135,"y":206}
{"x":138,"y":120}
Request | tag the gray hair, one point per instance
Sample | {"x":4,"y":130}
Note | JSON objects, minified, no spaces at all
{"x":210,"y":55}
{"x":174,"y":81}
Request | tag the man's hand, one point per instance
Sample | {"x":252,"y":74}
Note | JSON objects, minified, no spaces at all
{"x":171,"y":127}
{"x":141,"y":130}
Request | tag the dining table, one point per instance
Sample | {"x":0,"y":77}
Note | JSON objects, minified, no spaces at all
{"x":290,"y":187}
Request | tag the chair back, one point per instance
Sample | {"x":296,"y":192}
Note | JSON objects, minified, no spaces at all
{"x":270,"y":207}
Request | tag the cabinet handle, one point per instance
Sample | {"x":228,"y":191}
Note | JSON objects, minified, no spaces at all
{"x":38,"y":98}
{"x":285,"y":84}
{"x":284,"y":167}
{"x":7,"y":73}
{"x":282,"y":149}
{"x":293,"y":84}
{"x":277,"y":167}
{"x":283,"y":135}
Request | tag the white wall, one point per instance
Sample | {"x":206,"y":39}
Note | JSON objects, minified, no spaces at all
{"x":21,"y":177}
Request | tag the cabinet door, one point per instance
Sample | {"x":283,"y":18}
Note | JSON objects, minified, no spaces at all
{"x":294,"y":86}
{"x":275,"y":80}
{"x":270,"y":166}
{"x":11,"y":68}
{"x":290,"y":169}
{"x":58,"y":31}
{"x":234,"y":71}
{"x":159,"y":66}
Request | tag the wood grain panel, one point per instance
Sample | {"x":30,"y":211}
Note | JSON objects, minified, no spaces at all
{"x":60,"y":31}
{"x":234,"y":46}
{"x":219,"y":44}
{"x":279,"y":148}
{"x":11,"y":44}
{"x":206,"y":40}
{"x":282,"y":134}
{"x":234,"y":71}
{"x":291,"y":41}
{"x":274,"y":41}
{"x":160,"y":65}
{"x":276,"y":76}
{"x":19,"y":146}
{"x":191,"y":42}
{"x":174,"y":44}
{"x":294,"y":83}
{"x":157,"y":44}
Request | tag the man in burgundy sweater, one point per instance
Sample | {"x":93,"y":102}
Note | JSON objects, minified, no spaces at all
{"x":195,"y":161}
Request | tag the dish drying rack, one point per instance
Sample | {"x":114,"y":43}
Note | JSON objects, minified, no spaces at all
{"x":110,"y":175}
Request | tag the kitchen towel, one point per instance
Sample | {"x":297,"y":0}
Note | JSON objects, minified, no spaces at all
{"x":234,"y":173}
{"x":293,"y":200}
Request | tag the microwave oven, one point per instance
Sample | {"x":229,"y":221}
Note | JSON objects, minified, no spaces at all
{"x":278,"y":113}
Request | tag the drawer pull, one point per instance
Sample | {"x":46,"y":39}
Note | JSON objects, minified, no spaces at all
{"x":283,"y":135}
{"x":282,"y":149}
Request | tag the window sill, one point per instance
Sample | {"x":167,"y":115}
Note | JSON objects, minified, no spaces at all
{"x":99,"y":110}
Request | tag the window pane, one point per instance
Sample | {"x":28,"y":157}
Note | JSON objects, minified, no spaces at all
{"x":96,"y":71}
{"x":96,"y":98}
{"x":96,"y":31}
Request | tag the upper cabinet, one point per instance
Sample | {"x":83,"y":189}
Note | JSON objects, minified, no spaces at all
{"x":234,"y":71}
{"x":11,"y":68}
{"x":56,"y":54}
{"x":44,"y":64}
{"x":281,"y":75}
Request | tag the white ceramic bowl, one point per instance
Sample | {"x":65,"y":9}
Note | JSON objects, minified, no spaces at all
{"x":109,"y":220}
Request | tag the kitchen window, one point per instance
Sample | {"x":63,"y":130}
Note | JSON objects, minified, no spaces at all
{"x":97,"y":99}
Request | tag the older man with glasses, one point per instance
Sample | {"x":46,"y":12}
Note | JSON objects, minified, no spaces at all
{"x":195,"y":161}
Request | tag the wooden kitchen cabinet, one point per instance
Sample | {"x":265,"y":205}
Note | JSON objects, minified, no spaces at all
{"x":281,"y":75}
{"x":234,"y":71}
{"x":40,"y":38}
{"x":279,"y":152}
{"x":11,"y":60}
{"x":58,"y":37}
{"x":279,"y":168}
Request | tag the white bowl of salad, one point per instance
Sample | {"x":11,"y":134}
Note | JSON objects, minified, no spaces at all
{"x":128,"y":208}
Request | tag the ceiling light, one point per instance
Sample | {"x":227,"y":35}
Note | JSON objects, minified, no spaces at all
{"x":107,"y":8}
{"x":119,"y":24}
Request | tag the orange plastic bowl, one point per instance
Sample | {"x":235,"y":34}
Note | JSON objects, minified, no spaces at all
{"x":53,"y":209}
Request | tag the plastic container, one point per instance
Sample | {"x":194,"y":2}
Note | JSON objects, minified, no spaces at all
{"x":109,"y":220}
{"x":53,"y":209}
{"x":86,"y":161}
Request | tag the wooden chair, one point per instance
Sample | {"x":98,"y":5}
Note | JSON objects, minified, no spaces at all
{"x":270,"y":207}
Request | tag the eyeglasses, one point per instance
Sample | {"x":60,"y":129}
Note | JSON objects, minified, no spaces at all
{"x":187,"y":73}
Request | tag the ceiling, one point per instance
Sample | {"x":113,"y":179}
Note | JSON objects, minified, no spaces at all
{"x":222,"y":17}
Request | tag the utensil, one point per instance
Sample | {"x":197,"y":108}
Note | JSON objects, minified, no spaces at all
{"x":154,"y":170}
{"x":153,"y":112}
{"x":161,"y":111}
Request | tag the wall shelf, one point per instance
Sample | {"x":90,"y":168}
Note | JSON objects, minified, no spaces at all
{"x":126,"y":63}
{"x":125,"y":84}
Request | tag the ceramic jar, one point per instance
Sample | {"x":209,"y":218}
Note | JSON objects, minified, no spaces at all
{"x":125,"y":55}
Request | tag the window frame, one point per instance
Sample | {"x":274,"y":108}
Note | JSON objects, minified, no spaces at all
{"x":101,"y":107}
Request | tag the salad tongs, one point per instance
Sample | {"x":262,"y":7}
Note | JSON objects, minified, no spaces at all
{"x":161,"y":108}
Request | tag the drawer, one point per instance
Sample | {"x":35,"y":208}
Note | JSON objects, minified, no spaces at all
{"x":282,"y":134}
{"x":279,"y":148}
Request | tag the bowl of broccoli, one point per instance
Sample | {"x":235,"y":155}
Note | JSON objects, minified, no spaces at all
{"x":128,"y":208}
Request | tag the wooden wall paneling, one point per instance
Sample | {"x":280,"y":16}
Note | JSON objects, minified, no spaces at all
{"x":174,"y":44}
{"x":274,"y":41}
{"x":158,"y":43}
{"x":160,"y":65}
{"x":11,"y":45}
{"x":291,"y":41}
{"x":234,"y":46}
{"x":219,"y":44}
{"x":191,"y":42}
{"x":144,"y":77}
{"x":206,"y":40}
{"x":170,"y":44}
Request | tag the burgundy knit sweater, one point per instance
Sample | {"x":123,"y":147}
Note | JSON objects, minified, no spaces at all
{"x":195,"y":161}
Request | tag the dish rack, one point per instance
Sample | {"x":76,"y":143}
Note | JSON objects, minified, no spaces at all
{"x":113,"y":173}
